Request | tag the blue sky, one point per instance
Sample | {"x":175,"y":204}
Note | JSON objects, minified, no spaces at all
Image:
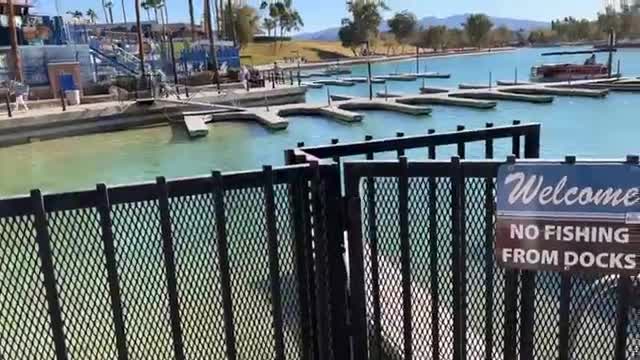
{"x":320,"y":14}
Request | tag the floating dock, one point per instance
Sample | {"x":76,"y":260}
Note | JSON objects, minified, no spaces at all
{"x":356,"y":79}
{"x":433,"y":90}
{"x":512,"y":83}
{"x":429,"y":75}
{"x":335,"y":82}
{"x":557,"y":91}
{"x":388,"y":94}
{"x":268,"y":119}
{"x":312,"y":85}
{"x":444,"y":99}
{"x":196,"y":125}
{"x":473,"y":87}
{"x":366,"y":104}
{"x":397,"y":77}
{"x":501,"y":95}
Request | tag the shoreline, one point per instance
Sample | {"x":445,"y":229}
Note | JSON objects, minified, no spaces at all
{"x":379,"y":59}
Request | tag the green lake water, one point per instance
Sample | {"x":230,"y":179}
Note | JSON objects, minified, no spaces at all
{"x":584,"y":127}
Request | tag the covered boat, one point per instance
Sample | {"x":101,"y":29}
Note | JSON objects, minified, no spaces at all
{"x":589,"y":70}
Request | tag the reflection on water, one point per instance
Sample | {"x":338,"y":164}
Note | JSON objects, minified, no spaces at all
{"x":585,"y":127}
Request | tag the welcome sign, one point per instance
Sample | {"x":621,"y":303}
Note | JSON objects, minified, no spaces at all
{"x":569,"y":217}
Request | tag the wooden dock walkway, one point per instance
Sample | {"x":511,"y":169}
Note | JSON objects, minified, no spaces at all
{"x":446,"y":100}
{"x":502,"y":95}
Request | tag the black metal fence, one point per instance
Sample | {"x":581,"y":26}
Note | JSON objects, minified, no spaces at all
{"x":253,"y":265}
{"x":425,"y":285}
{"x":229,"y":266}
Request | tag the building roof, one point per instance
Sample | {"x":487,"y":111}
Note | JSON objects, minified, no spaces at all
{"x":24,"y":3}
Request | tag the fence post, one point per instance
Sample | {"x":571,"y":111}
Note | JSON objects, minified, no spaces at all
{"x":565,"y":304}
{"x":433,"y":257}
{"x":458,"y":260}
{"x":62,"y":100}
{"x":376,"y":346}
{"x":510,"y":305}
{"x":296,"y":206}
{"x":170,"y":266}
{"x":527,"y":278}
{"x":48,"y":274}
{"x":489,"y":240}
{"x":274,"y":262}
{"x":336,"y":267}
{"x":405,"y":257}
{"x":400,"y":152}
{"x":217,"y":187}
{"x":8,"y":101}
{"x":356,"y":267}
{"x":321,"y":258}
{"x":104,"y":210}
{"x":461,"y":145}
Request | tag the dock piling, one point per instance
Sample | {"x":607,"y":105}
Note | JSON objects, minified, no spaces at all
{"x":64,"y":104}
{"x":369,"y":79}
{"x":8,"y":100}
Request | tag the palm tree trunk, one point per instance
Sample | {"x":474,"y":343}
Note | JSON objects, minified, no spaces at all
{"x":140,"y":39}
{"x":111,"y":15}
{"x":230,"y":22}
{"x":192,"y":21}
{"x":219,"y":18}
{"x":104,"y":9}
{"x":124,"y":13}
{"x":13,"y":37}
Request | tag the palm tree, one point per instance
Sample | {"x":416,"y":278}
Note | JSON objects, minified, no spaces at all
{"x":269,"y":25}
{"x":108,"y":4}
{"x":146,"y":8}
{"x":91,"y":14}
{"x":104,"y":9}
{"x":124,"y":13}
{"x":76,"y":15}
{"x":192,"y":21}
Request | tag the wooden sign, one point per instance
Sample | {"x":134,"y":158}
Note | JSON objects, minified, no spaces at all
{"x":561,"y":217}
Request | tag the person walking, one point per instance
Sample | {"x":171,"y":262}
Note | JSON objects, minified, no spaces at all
{"x":22,"y":92}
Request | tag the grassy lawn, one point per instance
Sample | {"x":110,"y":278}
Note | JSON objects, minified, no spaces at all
{"x":266,"y":53}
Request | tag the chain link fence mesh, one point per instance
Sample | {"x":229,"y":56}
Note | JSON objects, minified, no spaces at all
{"x":25,"y":332}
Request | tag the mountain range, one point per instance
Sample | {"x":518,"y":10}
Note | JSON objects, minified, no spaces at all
{"x":455,"y":21}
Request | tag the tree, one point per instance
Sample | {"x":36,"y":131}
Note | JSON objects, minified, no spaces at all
{"x":124,"y":12}
{"x":91,"y":14}
{"x":364,"y":24}
{"x":434,"y":37}
{"x":477,"y":28}
{"x":403,"y":25}
{"x":608,"y":21}
{"x":192,"y":21}
{"x":76,"y":15}
{"x":269,"y":25}
{"x":109,"y":6}
{"x":246,"y":22}
{"x":282,"y":16}
{"x":146,"y":8}
{"x":456,"y":38}
{"x":502,"y":36}
{"x":289,"y":19}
